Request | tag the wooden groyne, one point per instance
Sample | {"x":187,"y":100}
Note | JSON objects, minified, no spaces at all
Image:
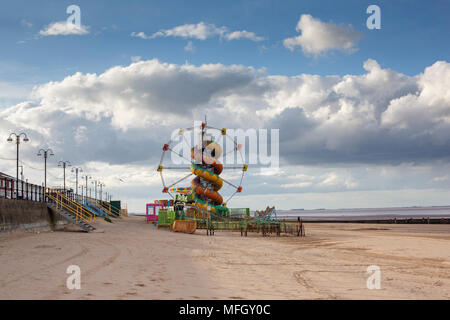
{"x":395,"y":220}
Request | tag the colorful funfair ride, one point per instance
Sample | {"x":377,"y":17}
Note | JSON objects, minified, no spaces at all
{"x":200,"y":205}
{"x":202,"y":198}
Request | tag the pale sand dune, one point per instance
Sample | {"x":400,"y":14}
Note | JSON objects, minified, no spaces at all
{"x":134,"y":260}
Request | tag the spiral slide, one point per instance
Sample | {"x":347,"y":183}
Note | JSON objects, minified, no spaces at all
{"x":207,"y":181}
{"x":202,"y":196}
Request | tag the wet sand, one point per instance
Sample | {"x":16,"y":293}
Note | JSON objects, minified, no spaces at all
{"x":134,"y":260}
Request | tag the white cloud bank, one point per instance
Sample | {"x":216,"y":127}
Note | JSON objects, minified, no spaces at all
{"x":319,"y":37}
{"x":358,"y":118}
{"x":200,"y":31}
{"x":63,"y":28}
{"x":120,"y":118}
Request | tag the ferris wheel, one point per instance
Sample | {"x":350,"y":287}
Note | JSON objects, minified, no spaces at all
{"x":205,"y":168}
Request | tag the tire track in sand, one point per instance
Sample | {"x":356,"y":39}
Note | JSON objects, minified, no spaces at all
{"x":91,"y":271}
{"x":84,"y":250}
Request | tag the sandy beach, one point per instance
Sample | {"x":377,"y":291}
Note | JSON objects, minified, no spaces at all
{"x":134,"y":260}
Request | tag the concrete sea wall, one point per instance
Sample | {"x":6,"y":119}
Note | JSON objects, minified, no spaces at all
{"x":21,"y":214}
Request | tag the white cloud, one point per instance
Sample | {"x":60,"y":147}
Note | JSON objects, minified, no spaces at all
{"x":337,"y":115}
{"x":440,"y":179}
{"x":189,"y":47}
{"x":297,"y":184}
{"x":425,"y":111}
{"x":136,"y":58}
{"x":141,"y":35}
{"x":26,"y":23}
{"x":318,"y":37}
{"x":236,"y":35}
{"x":200,"y":31}
{"x":63,"y":28}
{"x":143,"y":93}
{"x":333,"y":179}
{"x":341,"y":179}
{"x":379,"y":116}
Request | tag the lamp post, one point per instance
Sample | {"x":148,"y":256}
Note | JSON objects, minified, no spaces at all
{"x":64,"y":164}
{"x":45,"y":153}
{"x":76,"y":170}
{"x":95,"y":183}
{"x":86,"y":177}
{"x":10,"y":139}
{"x":101,"y":185}
{"x":21,"y":172}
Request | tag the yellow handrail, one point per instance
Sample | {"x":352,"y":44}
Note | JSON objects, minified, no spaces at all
{"x":78,"y":210}
{"x":92,"y":202}
{"x":60,"y":203}
{"x":98,"y":205}
{"x":111,"y":208}
{"x":79,"y":214}
{"x":105,"y":206}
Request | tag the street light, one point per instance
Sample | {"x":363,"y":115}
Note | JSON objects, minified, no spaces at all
{"x":45,"y":153}
{"x":63,"y":164}
{"x":86,"y":177}
{"x":21,"y":172}
{"x":95,"y":183}
{"x":101,"y":184}
{"x":84,"y":192}
{"x":10,"y":139}
{"x":76,"y":169}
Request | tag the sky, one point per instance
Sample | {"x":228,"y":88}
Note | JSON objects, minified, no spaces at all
{"x":363,"y":114}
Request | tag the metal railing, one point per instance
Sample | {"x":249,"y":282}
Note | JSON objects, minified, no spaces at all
{"x":23,"y":190}
{"x":64,"y":202}
{"x":10,"y":188}
{"x":20,"y":190}
{"x":97,"y":205}
{"x":111,"y":209}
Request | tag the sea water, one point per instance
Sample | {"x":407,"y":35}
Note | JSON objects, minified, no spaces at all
{"x":366,"y":213}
